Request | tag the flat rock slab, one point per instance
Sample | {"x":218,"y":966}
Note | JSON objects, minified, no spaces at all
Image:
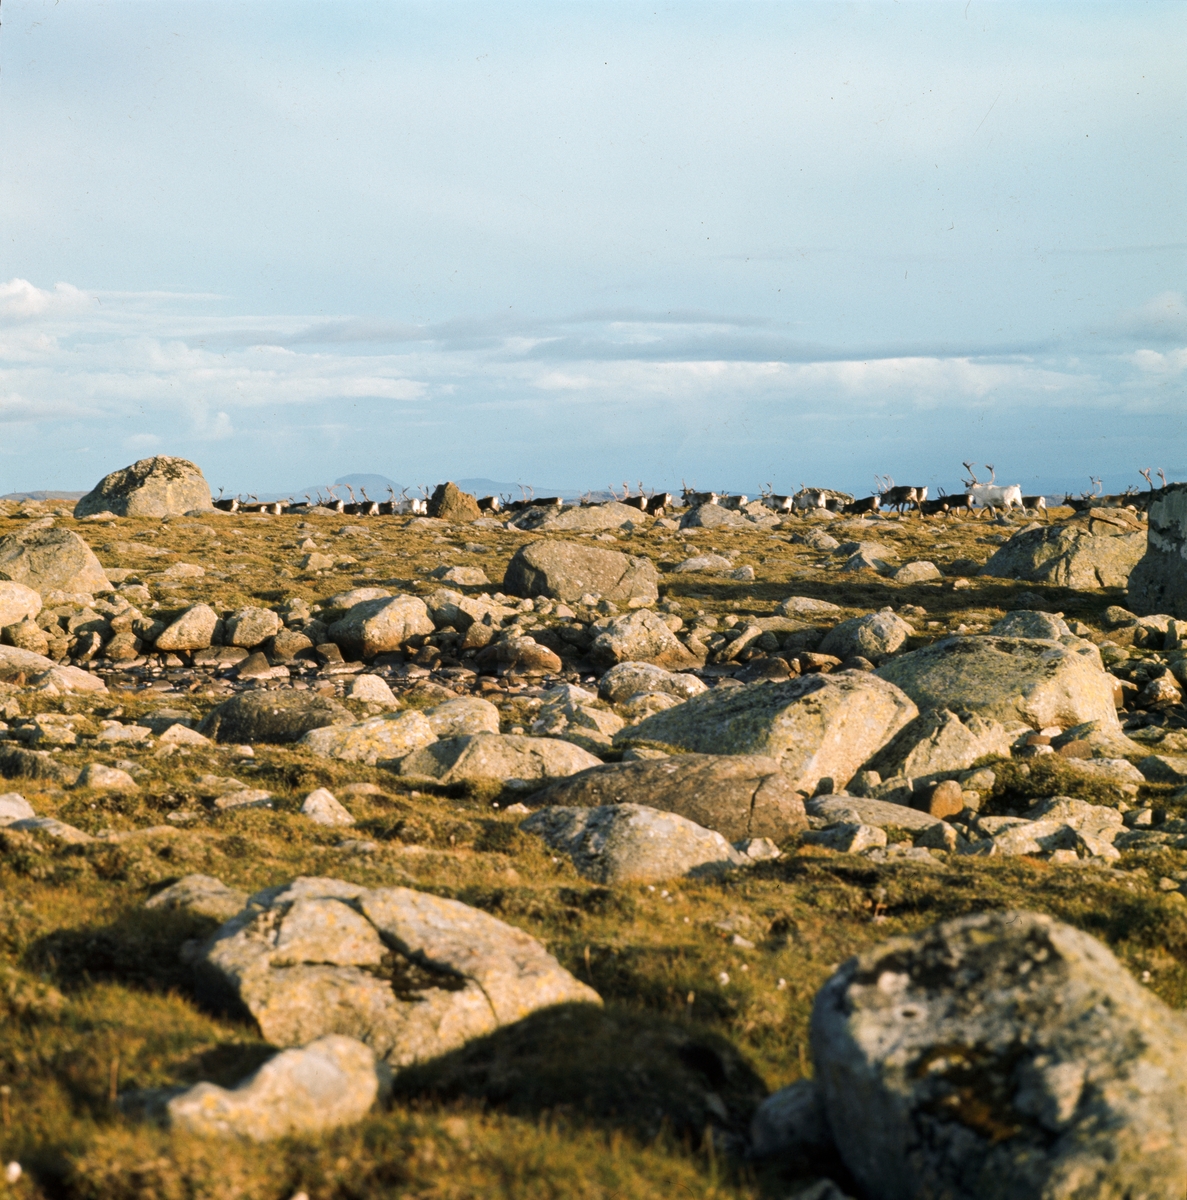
{"x":816,"y":727}
{"x":631,"y":843}
{"x":739,"y":796}
{"x":499,"y":757}
{"x":331,"y":1082}
{"x":1034,"y":680}
{"x":854,"y":810}
{"x":272,"y":716}
{"x":998,"y":1057}
{"x":587,"y":518}
{"x":381,"y":739}
{"x":410,"y":974}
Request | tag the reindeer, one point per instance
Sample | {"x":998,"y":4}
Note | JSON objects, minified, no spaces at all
{"x":658,"y":503}
{"x":734,"y":502}
{"x":490,"y":504}
{"x":808,"y":499}
{"x":1086,"y":500}
{"x":901,"y":497}
{"x":230,"y":504}
{"x":1036,"y":504}
{"x":693,"y":499}
{"x":992,"y":495}
{"x":781,"y":504}
{"x":870,"y":504}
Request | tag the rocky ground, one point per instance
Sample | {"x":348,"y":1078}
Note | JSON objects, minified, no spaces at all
{"x":572,"y":842}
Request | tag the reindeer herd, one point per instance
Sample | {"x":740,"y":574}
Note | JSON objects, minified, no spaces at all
{"x":975,"y":499}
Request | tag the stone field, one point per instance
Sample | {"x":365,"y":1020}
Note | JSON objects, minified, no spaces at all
{"x":580,"y":853}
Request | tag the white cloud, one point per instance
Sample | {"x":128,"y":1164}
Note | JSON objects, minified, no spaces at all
{"x":20,"y":300}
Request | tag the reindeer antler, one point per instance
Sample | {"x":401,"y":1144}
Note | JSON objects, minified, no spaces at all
{"x":992,"y":472}
{"x":972,"y":479}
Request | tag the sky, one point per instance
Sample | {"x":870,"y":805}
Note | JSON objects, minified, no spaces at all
{"x":731,"y":244}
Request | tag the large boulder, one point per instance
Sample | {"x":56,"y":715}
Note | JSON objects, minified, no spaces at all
{"x":587,"y":518}
{"x":1001,"y":1056}
{"x":50,"y":560}
{"x":272,"y":716}
{"x":153,"y":487}
{"x":15,"y":662}
{"x":447,"y":607}
{"x":449,"y":503}
{"x":329,"y":1083}
{"x":193,"y":630}
{"x":498,"y":758}
{"x":252,"y":626}
{"x":737,"y":795}
{"x":381,"y":739}
{"x":630,"y":843}
{"x":381,"y":626}
{"x":17,"y":603}
{"x":876,"y":636}
{"x":817,"y":727}
{"x":711,"y":516}
{"x":1158,"y":583}
{"x":466,"y":714}
{"x":410,"y":974}
{"x":938,"y":743}
{"x":1034,"y":680}
{"x":1097,"y":549}
{"x":629,"y":679}
{"x":202,"y":895}
{"x":640,"y":637}
{"x":566,"y":571}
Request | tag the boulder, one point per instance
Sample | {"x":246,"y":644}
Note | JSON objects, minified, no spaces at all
{"x":466,"y":714}
{"x":711,"y":516}
{"x":630,"y":843}
{"x":26,"y":635}
{"x":17,"y":603}
{"x":449,"y":503}
{"x":322,"y":808}
{"x":568,"y":711}
{"x":640,"y":636}
{"x":14,"y":807}
{"x":629,"y":679}
{"x":703,"y":562}
{"x":202,"y":895}
{"x":917,"y":572}
{"x":97,"y":775}
{"x":1009,"y":679}
{"x":939,"y":742}
{"x":462,"y":576}
{"x":447,"y":607}
{"x":251,"y":627}
{"x":370,"y":689}
{"x":193,"y":630}
{"x":739,"y":796}
{"x":567,"y":571}
{"x":791,"y":1124}
{"x":495,"y":757}
{"x":411,"y":975}
{"x":588,"y":518}
{"x":524,"y":656}
{"x":817,"y":727}
{"x":272,"y":716}
{"x":380,"y":626}
{"x":1001,"y":1055}
{"x":329,"y":1083}
{"x":381,"y":739}
{"x":49,"y":560}
{"x":807,"y":607}
{"x":1091,"y":551}
{"x":15,"y":662}
{"x":153,"y":487}
{"x":1158,"y":582}
{"x":875,"y":636}
{"x":854,"y":810}
{"x":1027,"y":623}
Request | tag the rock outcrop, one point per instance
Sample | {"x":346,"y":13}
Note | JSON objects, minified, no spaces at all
{"x":1158,"y":583}
{"x":49,"y":560}
{"x":497,"y":758}
{"x":153,"y":487}
{"x":449,"y":503}
{"x":1096,"y":549}
{"x":566,"y":571}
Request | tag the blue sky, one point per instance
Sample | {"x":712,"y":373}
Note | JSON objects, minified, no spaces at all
{"x":574,"y":244}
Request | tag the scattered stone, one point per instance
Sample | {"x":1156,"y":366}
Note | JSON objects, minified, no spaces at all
{"x":322,"y":808}
{"x":449,"y":503}
{"x":288,"y":644}
{"x":806,"y":606}
{"x":703,"y":562}
{"x":1002,"y":1054}
{"x":465,"y":715}
{"x":14,"y":807}
{"x":381,"y":739}
{"x":462,"y":576}
{"x":847,"y":838}
{"x":251,"y":627}
{"x":631,"y":843}
{"x":193,"y":630}
{"x":380,"y":626}
{"x":818,"y":727}
{"x":244,"y":797}
{"x":52,"y":827}
{"x":96,"y":775}
{"x":279,"y":716}
{"x":628,"y":679}
{"x":372,"y":690}
{"x":1009,"y":679}
{"x":566,"y":571}
{"x":410,"y":974}
{"x":943,"y":799}
{"x":1030,"y":624}
{"x":257,"y":666}
{"x":525,"y":656}
{"x":641,"y":636}
{"x":711,"y":516}
{"x":48,"y":560}
{"x":26,"y":635}
{"x":510,"y":759}
{"x":329,"y":1083}
{"x":15,"y":662}
{"x":17,"y":603}
{"x":874,"y":637}
{"x":738,"y":796}
{"x":917,"y":572}
{"x":153,"y":487}
{"x":202,"y":895}
{"x":853,"y":810}
{"x":1164,"y":768}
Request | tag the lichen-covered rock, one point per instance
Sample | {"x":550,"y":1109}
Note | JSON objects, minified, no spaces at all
{"x":1034,"y":680}
{"x":193,"y":630}
{"x":629,"y":679}
{"x":380,"y":626}
{"x":251,"y":627}
{"x":410,"y":974}
{"x":272,"y":716}
{"x":1094,"y":550}
{"x":1002,"y":1056}
{"x":200,"y":894}
{"x":495,"y":757}
{"x":631,"y":843}
{"x":816,"y":727}
{"x":17,"y":603}
{"x":1158,"y":582}
{"x":381,"y":739}
{"x":50,"y":560}
{"x":739,"y":796}
{"x":588,"y":518}
{"x":875,"y":636}
{"x":449,"y":503}
{"x":567,"y":571}
{"x":329,"y":1083}
{"x":321,"y":806}
{"x":939,"y":742}
{"x":640,"y":637}
{"x":153,"y":487}
{"x":466,"y":714}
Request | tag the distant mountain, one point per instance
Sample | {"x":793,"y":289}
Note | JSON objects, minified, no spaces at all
{"x":43,"y":496}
